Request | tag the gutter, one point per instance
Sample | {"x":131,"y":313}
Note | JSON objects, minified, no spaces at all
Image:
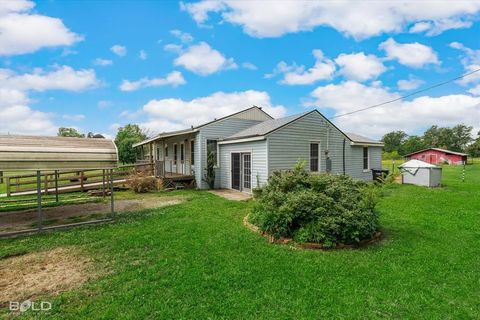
{"x":257,"y":138}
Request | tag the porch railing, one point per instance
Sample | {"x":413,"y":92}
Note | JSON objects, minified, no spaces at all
{"x":172,"y":168}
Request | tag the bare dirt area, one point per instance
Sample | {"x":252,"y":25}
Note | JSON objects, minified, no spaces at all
{"x":42,"y":273}
{"x":27,"y":219}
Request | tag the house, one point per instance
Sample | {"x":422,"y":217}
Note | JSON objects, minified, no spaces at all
{"x":249,"y":145}
{"x":438,"y":156}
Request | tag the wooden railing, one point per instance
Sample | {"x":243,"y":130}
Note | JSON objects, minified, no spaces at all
{"x":172,"y":168}
{"x":78,"y":180}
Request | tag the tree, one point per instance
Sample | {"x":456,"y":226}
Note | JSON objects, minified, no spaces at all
{"x":461,"y":137}
{"x":474,"y":149}
{"x":126,"y":137}
{"x":456,"y":138}
{"x":393,"y":141}
{"x":209,"y":177}
{"x":95,"y":135}
{"x":69,"y":132}
{"x":412,"y":144}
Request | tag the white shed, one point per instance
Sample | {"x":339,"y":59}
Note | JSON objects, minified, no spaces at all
{"x":421,"y":173}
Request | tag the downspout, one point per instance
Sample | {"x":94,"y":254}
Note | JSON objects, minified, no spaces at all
{"x":343,"y":154}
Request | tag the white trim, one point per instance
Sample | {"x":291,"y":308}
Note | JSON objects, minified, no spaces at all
{"x":317,"y":142}
{"x":242,"y":140}
{"x":368,"y":158}
{"x":366,"y":144}
{"x":241,"y":152}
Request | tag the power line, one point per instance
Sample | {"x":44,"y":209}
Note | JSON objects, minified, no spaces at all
{"x":408,"y":95}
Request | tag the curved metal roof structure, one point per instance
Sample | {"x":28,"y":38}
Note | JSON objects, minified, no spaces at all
{"x":56,"y":153}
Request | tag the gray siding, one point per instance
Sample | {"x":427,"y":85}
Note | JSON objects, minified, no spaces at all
{"x":355,"y":162}
{"x":258,"y":149}
{"x":291,"y":144}
{"x":216,"y":130}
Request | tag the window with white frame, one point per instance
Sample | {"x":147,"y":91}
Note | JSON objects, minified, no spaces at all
{"x":192,"y":152}
{"x":366,"y":160}
{"x":175,"y":153}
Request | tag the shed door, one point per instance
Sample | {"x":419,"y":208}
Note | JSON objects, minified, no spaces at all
{"x":236,"y":168}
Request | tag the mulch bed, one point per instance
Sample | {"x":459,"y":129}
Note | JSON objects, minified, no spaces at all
{"x":310,"y":245}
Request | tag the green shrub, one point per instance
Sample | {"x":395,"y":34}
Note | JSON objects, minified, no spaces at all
{"x":320,"y":208}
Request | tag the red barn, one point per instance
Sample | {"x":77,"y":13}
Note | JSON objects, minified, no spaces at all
{"x":438,"y":156}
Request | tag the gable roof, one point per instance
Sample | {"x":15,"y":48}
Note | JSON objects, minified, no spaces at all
{"x":267,"y":127}
{"x":361,"y":139}
{"x":438,"y":149}
{"x":417,"y":164}
{"x":195,"y":128}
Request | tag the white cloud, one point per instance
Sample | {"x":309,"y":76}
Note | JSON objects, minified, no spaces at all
{"x":470,"y":61}
{"x":171,"y":47}
{"x":204,"y":60}
{"x":410,"y":84}
{"x":119,"y":50}
{"x":297,"y":75}
{"x":434,"y":28}
{"x":102,"y":104}
{"x":184,"y":37}
{"x":249,"y":66}
{"x":415,"y":55}
{"x":23,"y":31}
{"x":475,"y":90}
{"x":73,"y":117}
{"x":412,"y":116}
{"x":60,"y":78}
{"x":16,"y":114}
{"x":359,"y":19}
{"x":142,"y":55}
{"x":175,"y":114}
{"x":360,"y":67}
{"x":174,"y":79}
{"x":102,"y":62}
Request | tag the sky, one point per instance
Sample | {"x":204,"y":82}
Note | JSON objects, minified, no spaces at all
{"x":98,"y":65}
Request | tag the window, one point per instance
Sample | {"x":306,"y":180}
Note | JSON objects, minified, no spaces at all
{"x":314,"y":157}
{"x":158,"y":152}
{"x":182,"y":152}
{"x":366,"y":162}
{"x":192,"y":152}
{"x":175,"y":153}
{"x":166,"y":150}
{"x":212,"y":147}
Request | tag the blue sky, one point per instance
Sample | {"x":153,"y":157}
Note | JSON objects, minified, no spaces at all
{"x":97,"y":65}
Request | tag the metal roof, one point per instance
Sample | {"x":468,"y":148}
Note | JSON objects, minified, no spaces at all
{"x":265,"y":127}
{"x":438,"y":149}
{"x":417,"y":164}
{"x":195,"y":128}
{"x":361,"y":139}
{"x":56,"y":153}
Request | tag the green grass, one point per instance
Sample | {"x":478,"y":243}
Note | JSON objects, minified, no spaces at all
{"x":196,"y":260}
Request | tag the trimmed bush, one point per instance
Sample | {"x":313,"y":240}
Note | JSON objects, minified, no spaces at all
{"x":319,"y":208}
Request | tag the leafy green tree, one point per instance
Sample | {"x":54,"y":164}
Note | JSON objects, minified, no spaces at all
{"x":461,"y":137}
{"x":393,"y":141}
{"x":209,"y":176}
{"x":126,"y":137}
{"x":474,"y":149}
{"x":412,"y":144}
{"x":69,"y":132}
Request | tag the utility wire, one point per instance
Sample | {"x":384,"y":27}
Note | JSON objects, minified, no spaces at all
{"x":408,"y":95}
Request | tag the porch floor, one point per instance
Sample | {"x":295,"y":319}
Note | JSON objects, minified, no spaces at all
{"x":230,"y":194}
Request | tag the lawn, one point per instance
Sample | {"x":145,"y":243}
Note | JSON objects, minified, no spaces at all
{"x":196,"y":260}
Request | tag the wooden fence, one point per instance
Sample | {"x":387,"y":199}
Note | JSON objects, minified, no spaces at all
{"x":70,"y":181}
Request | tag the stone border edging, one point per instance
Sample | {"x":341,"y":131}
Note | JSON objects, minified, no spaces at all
{"x":309,"y":245}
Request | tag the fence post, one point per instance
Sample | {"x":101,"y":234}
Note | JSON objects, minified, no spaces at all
{"x":112,"y":200}
{"x":56,"y":185}
{"x":81,"y":181}
{"x":46,"y":183}
{"x":1,"y":176}
{"x":8,"y":186}
{"x":39,"y":200}
{"x":103,"y":183}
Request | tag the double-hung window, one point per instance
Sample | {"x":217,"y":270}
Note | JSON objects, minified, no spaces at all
{"x":366,"y":160}
{"x":314,"y":157}
{"x":175,"y":153}
{"x":192,"y":152}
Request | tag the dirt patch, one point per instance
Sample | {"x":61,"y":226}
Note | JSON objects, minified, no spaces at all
{"x":27,"y":219}
{"x":42,"y":273}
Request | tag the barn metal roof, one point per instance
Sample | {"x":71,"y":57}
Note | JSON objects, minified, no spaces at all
{"x":438,"y":149}
{"x":56,"y":153}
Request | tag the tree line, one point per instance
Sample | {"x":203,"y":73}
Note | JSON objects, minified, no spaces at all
{"x":458,"y":138}
{"x":125,"y":138}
